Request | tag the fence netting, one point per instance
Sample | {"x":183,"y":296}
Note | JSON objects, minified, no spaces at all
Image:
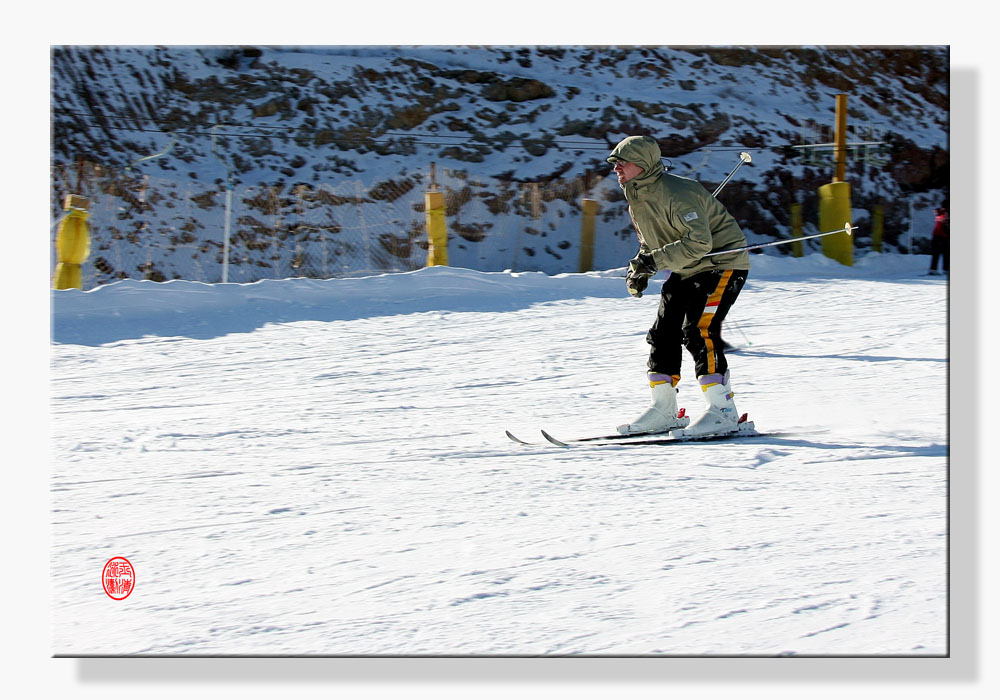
{"x":159,"y":228}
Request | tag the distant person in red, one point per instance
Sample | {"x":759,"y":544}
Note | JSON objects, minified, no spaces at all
{"x":939,"y":240}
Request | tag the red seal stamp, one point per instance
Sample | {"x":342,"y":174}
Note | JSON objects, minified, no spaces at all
{"x":118,"y":578}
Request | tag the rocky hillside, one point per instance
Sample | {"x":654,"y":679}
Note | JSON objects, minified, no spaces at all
{"x":273,"y":121}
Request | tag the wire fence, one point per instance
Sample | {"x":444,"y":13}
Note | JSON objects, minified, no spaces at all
{"x":160,"y":228}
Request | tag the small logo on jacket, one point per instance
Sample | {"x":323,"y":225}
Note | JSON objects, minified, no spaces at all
{"x":691,"y":216}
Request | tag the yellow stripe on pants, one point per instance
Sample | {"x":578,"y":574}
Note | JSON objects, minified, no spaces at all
{"x":706,"y":317}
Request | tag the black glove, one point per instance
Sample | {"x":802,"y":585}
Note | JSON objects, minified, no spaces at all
{"x":636,"y":284}
{"x":640,"y":269}
{"x":643,"y":263}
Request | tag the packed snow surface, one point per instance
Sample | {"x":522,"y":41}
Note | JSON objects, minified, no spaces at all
{"x":320,"y":467}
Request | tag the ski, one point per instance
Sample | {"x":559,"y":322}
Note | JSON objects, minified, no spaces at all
{"x":516,"y":439}
{"x":746,"y":429}
{"x":681,"y":439}
{"x":592,"y":439}
{"x":611,"y":437}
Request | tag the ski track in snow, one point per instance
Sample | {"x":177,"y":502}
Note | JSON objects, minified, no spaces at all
{"x":345,"y":487}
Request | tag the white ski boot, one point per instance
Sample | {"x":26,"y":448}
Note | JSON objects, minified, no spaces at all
{"x":721,"y":417}
{"x":661,"y":416}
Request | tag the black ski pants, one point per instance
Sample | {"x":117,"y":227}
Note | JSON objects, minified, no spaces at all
{"x":691,"y":313}
{"x":939,"y":251}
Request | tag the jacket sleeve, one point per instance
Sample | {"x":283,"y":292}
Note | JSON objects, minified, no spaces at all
{"x":695,"y":241}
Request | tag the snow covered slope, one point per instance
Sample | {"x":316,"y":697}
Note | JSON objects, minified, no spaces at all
{"x":327,"y":139}
{"x":319,"y":467}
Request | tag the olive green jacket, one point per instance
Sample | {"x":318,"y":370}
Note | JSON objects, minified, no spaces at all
{"x":677,"y":219}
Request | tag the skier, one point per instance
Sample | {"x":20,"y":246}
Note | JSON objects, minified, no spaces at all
{"x":678,"y":222}
{"x":939,"y":240}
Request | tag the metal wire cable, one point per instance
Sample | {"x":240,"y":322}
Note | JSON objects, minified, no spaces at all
{"x":381,"y":139}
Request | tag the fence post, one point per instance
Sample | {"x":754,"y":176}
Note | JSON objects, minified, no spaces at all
{"x":797,"y":229}
{"x":72,"y":244}
{"x":437,"y":230}
{"x":275,"y":206}
{"x":226,"y":230}
{"x":840,"y":139}
{"x":587,"y":226}
{"x":145,"y":236}
{"x":359,"y":200}
{"x":834,"y":210}
{"x":909,"y":229}
{"x":878,"y":222}
{"x":835,"y":197}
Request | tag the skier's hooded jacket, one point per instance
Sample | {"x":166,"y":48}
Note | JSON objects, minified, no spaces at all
{"x":678,"y":221}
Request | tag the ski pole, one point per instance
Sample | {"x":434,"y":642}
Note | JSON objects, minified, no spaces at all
{"x":730,"y":322}
{"x":744,"y":158}
{"x":847,"y":229}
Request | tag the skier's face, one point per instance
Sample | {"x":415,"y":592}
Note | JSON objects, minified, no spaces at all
{"x":626,"y":171}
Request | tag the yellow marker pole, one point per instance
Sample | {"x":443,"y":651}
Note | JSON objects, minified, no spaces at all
{"x":878,"y":222}
{"x":834,"y":210}
{"x":437,"y":231}
{"x":588,"y":225}
{"x":835,"y":198}
{"x":797,"y":229}
{"x":72,"y":244}
{"x":840,"y":139}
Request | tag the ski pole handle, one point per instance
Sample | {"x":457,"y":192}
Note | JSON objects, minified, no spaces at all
{"x":847,"y":229}
{"x":744,"y":158}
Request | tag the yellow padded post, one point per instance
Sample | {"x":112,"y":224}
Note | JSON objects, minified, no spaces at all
{"x":878,"y":223}
{"x":72,"y":244}
{"x":437,"y":231}
{"x":834,"y":210}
